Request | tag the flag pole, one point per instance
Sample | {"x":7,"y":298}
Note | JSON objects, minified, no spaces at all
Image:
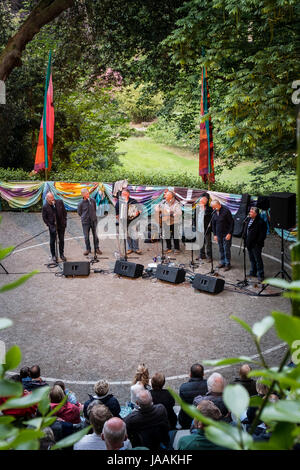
{"x":45,"y":115}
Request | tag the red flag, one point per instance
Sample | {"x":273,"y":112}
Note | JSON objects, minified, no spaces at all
{"x":44,"y":151}
{"x":206,"y":148}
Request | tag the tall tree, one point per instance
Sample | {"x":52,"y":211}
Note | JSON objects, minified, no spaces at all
{"x":43,"y":13}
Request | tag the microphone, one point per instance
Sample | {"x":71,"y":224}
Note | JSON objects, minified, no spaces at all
{"x":246,"y":218}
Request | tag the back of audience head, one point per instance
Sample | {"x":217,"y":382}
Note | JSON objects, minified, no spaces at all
{"x":114,"y":433}
{"x":141,"y":375}
{"x":35,"y":372}
{"x":56,"y":394}
{"x":144,"y":399}
{"x":197,"y":371}
{"x":261,"y":388}
{"x":158,"y":381}
{"x":98,"y":415}
{"x":208,"y":409}
{"x":48,"y":440}
{"x":244,"y":371}
{"x":215,"y":383}
{"x":24,"y":372}
{"x":61,"y":384}
{"x":101,"y":388}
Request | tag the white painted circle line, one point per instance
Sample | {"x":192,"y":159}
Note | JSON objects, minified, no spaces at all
{"x":173,"y":377}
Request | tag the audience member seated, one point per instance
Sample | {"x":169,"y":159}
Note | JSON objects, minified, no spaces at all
{"x":68,"y":412}
{"x":160,"y":395}
{"x":197,"y":440}
{"x":71,"y":396}
{"x":248,"y":383}
{"x":35,"y":381}
{"x":261,"y":431}
{"x":97,"y":417}
{"x":140,"y":382}
{"x":114,"y":434}
{"x":48,"y":440}
{"x":189,"y":390}
{"x":215,"y":385}
{"x":25,"y":376}
{"x":148,"y":424}
{"x":19,"y":413}
{"x":102,"y":396}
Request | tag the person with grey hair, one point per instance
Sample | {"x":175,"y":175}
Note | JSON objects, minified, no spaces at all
{"x":255,"y":235}
{"x":222,"y":227}
{"x":87,"y":211}
{"x":148,"y":424}
{"x":55,"y":217}
{"x":215,"y":386}
{"x":114,"y":434}
{"x":102,"y":395}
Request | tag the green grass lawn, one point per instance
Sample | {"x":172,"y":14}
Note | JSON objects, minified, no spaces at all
{"x":145,"y":155}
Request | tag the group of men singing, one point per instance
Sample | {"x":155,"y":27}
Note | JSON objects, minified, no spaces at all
{"x":210,"y":218}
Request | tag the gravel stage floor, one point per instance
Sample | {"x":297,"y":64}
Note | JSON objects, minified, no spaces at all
{"x":83,"y":329}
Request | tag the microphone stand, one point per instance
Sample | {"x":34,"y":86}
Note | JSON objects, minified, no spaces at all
{"x":161,"y":237}
{"x":193,"y":265}
{"x":56,"y":250}
{"x":245,"y":281}
{"x":1,"y":266}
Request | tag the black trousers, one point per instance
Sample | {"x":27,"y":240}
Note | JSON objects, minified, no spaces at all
{"x":172,"y":235}
{"x":257,"y":265}
{"x":86,"y":232}
{"x":61,"y":239}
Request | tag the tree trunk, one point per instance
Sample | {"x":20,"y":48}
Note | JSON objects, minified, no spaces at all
{"x":43,"y":13}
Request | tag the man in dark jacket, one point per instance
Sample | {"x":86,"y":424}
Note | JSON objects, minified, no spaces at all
{"x":191,"y":389}
{"x":222,"y":226}
{"x":255,"y":234}
{"x":87,"y":211}
{"x":55,"y":217}
{"x":203,"y":224}
{"x":36,"y":379}
{"x":148,"y":424}
{"x":246,"y":382}
{"x":215,"y":386}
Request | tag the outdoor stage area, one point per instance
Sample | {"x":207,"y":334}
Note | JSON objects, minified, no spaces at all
{"x":81,"y":330}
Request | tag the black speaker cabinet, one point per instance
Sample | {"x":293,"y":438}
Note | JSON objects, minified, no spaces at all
{"x":125,"y":268}
{"x":240,"y":215}
{"x":210,"y":284}
{"x":170,"y":274}
{"x":283,"y":210}
{"x":76,"y":268}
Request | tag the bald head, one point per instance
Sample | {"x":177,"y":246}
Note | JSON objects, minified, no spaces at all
{"x":244,"y":371}
{"x":49,"y":197}
{"x":114,"y":433}
{"x":144,"y":399}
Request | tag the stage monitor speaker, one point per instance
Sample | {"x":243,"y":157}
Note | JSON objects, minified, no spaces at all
{"x":210,"y":284}
{"x":170,"y":274}
{"x":283,"y":210}
{"x":125,"y":268}
{"x":241,"y":214}
{"x":263,"y":203}
{"x":76,"y":268}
